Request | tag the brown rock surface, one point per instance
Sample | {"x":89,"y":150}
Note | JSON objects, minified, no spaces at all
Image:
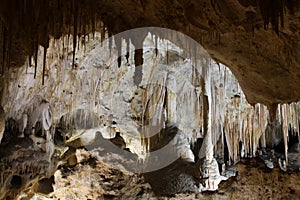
{"x":95,"y":180}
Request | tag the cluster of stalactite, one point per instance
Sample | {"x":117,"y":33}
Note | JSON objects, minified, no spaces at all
{"x":273,"y":12}
{"x":287,"y":116}
{"x":215,"y":109}
{"x":33,"y":23}
{"x":209,"y":104}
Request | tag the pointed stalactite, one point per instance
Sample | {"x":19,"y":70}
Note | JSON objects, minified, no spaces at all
{"x":281,"y":12}
{"x":93,"y":16}
{"x":156,"y":45}
{"x":69,"y":32}
{"x":95,"y":23}
{"x":119,"y":61}
{"x":167,"y":54}
{"x":272,"y":11}
{"x":263,"y":124}
{"x":80,"y":20}
{"x":109,"y":42}
{"x":75,"y":32}
{"x":36,"y":59}
{"x":285,"y":124}
{"x":9,"y":44}
{"x":44,"y":64}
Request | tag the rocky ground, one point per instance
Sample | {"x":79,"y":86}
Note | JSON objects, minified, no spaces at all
{"x":91,"y":179}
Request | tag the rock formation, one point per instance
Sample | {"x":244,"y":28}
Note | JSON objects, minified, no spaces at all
{"x":74,"y":73}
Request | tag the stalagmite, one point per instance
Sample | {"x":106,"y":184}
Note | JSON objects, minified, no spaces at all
{"x":23,"y":123}
{"x":50,"y":148}
{"x":41,"y":112}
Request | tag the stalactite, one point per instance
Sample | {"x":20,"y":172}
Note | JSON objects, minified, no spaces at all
{"x":263,"y":124}
{"x":93,"y":22}
{"x":80,"y":19}
{"x":285,"y":116}
{"x":69,"y":31}
{"x":110,"y":42}
{"x":9,"y":45}
{"x":75,"y":29}
{"x":167,"y":54}
{"x":36,"y":59}
{"x":44,"y":64}
{"x":156,"y":45}
{"x":272,"y":11}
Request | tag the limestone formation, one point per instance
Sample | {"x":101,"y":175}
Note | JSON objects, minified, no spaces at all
{"x":257,"y":40}
{"x":217,"y":84}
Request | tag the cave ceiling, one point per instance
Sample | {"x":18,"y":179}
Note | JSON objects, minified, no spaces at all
{"x":257,"y":39}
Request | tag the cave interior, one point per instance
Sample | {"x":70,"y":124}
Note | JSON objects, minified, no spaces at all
{"x":182,"y":95}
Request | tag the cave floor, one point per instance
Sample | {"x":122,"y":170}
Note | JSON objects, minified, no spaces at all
{"x":91,"y":179}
